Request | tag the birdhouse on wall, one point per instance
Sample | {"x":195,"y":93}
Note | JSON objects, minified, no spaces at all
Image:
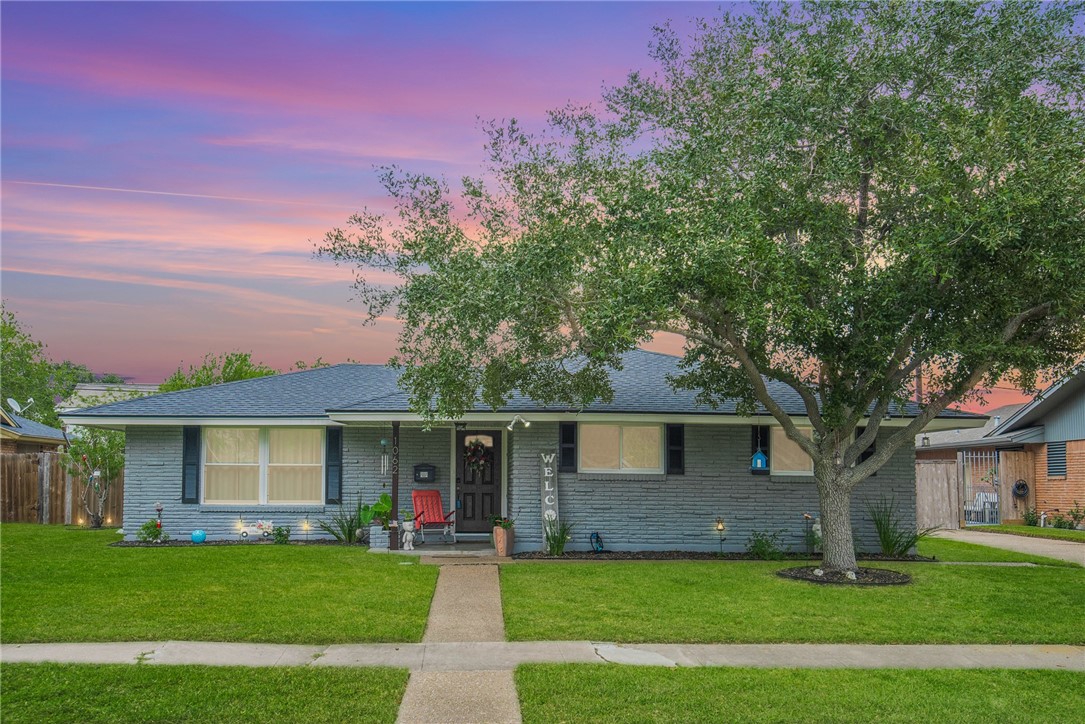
{"x":759,"y":461}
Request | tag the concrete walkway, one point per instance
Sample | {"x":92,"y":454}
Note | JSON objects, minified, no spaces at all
{"x":1063,"y":550}
{"x":504,"y":656}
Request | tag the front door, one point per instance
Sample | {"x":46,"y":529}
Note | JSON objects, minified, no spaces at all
{"x":478,"y":480}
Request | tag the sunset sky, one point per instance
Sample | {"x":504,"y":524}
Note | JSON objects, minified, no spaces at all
{"x":166,"y":167}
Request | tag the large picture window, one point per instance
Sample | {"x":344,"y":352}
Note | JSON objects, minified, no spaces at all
{"x":256,"y":466}
{"x":621,"y":448}
{"x":787,"y":457}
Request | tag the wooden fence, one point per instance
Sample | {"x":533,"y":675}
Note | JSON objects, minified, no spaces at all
{"x":35,"y":488}
{"x":937,"y":494}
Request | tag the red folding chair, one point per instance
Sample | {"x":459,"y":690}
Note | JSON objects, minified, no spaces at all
{"x":429,"y":512}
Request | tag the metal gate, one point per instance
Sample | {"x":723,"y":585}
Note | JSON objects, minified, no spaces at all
{"x":980,"y":483}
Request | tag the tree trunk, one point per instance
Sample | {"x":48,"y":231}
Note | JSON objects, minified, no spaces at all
{"x":837,"y":543}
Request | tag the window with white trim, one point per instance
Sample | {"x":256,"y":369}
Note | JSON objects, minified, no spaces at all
{"x":787,"y":457}
{"x":260,"y":465}
{"x":621,"y":448}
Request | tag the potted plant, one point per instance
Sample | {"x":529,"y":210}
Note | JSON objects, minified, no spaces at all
{"x":502,"y":533}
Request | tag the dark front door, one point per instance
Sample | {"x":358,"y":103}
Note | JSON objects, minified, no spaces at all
{"x":478,"y":480}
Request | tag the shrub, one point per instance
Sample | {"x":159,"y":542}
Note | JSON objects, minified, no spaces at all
{"x":1061,"y":521}
{"x":1031,"y":517}
{"x":893,"y":537}
{"x":1077,"y":514}
{"x":281,"y":533}
{"x":345,"y":525}
{"x":557,"y":534}
{"x":765,"y":546}
{"x":151,"y":532}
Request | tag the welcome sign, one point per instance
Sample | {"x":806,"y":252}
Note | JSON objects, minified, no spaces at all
{"x":548,"y":485}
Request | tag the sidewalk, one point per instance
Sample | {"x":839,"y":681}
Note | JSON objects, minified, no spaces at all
{"x":1063,"y":550}
{"x":505,"y":656}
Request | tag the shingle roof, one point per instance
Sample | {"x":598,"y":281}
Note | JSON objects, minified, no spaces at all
{"x":640,"y":386}
{"x":29,"y":428}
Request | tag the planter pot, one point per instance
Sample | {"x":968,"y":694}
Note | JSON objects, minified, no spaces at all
{"x":378,"y":537}
{"x":503,"y":541}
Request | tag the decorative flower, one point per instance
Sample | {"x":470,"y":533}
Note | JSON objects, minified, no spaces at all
{"x":476,"y":455}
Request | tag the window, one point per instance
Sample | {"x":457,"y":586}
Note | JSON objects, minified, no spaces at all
{"x":1056,"y":459}
{"x":787,"y":457}
{"x":625,"y":448}
{"x":249,"y":465}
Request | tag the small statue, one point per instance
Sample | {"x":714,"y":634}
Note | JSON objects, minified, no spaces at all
{"x":408,"y":535}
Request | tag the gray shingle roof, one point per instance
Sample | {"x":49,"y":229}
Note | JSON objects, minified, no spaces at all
{"x":641,"y":386}
{"x":30,"y":428}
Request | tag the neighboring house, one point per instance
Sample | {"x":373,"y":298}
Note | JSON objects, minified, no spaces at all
{"x":20,"y":435}
{"x":99,"y":393}
{"x":1041,"y":443}
{"x":650,"y":470}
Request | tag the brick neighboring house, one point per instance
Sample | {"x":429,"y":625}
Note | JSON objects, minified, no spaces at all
{"x":20,"y":435}
{"x":650,"y":469}
{"x":1041,"y":442}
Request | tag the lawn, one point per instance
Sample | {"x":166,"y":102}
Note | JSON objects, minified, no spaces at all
{"x":745,"y":602}
{"x":944,"y":549}
{"x":143,"y":693}
{"x":66,"y":584}
{"x":601,"y":693}
{"x":1033,"y":531}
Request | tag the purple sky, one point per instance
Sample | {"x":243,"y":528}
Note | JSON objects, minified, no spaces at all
{"x":258,"y":127}
{"x":166,"y":166}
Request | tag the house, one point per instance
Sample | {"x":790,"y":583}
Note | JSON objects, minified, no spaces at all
{"x":86,"y":394}
{"x":21,"y":435}
{"x":1040,"y":444}
{"x":649,"y":470}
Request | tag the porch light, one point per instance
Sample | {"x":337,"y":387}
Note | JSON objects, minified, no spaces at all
{"x":517,"y":418}
{"x":926,"y":442}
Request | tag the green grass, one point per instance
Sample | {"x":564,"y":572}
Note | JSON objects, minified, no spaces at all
{"x":602,"y":693}
{"x":62,"y":584}
{"x":139,"y":693}
{"x":707,"y":602}
{"x":950,"y":550}
{"x":1032,"y":531}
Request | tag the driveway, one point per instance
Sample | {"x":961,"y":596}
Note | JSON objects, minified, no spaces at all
{"x":1064,"y":550}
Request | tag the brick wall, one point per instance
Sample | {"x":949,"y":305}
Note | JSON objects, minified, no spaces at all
{"x":672,"y":512}
{"x":1057,"y":494}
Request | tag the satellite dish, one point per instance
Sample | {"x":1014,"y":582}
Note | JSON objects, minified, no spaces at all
{"x":14,"y":405}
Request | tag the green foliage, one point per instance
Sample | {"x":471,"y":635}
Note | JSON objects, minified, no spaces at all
{"x":93,"y":449}
{"x":281,"y":534}
{"x":1058,"y":520}
{"x":895,"y":538}
{"x":830,"y":197}
{"x":1077,"y":514}
{"x":381,"y":511}
{"x":151,"y":532}
{"x":500,"y":521}
{"x":765,"y":546}
{"x":1031,"y":517}
{"x":556,"y":534}
{"x":346,"y":525}
{"x":215,"y":369}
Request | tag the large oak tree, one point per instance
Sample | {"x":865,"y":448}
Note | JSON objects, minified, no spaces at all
{"x":834,"y":196}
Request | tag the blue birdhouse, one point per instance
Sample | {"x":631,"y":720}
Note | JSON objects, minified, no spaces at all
{"x":759,"y":461}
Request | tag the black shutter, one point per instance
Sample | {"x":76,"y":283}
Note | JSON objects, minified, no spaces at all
{"x":333,"y":466}
{"x":676,"y":449}
{"x":761,"y":433}
{"x":190,"y":466}
{"x":567,"y":447}
{"x":869,"y":451}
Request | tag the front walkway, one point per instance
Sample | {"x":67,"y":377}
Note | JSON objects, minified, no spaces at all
{"x":1063,"y":550}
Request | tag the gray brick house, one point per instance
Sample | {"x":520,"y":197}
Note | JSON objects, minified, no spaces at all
{"x":650,"y":470}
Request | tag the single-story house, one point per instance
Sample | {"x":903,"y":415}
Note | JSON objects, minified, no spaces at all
{"x":1040,"y":444}
{"x":22,"y":435}
{"x":650,"y":470}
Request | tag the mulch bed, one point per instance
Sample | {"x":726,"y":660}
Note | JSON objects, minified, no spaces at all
{"x":863,"y":577}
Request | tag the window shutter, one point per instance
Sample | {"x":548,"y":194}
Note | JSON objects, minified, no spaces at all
{"x":1056,"y":458}
{"x":333,"y":465}
{"x":762,"y":433}
{"x":676,"y":449}
{"x":869,"y":451}
{"x":190,"y":465}
{"x":567,"y":447}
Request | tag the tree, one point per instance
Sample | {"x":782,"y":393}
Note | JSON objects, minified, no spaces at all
{"x":97,"y":457}
{"x":834,"y":197}
{"x":215,"y":369}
